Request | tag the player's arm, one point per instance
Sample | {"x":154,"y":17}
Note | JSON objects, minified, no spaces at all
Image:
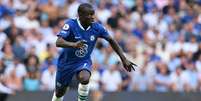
{"x":128,"y":65}
{"x":64,"y":34}
{"x":116,"y":47}
{"x":60,"y":42}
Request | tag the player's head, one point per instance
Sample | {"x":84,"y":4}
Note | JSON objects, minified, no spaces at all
{"x":86,"y":13}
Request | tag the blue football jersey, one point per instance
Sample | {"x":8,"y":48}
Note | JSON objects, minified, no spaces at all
{"x":73,"y":31}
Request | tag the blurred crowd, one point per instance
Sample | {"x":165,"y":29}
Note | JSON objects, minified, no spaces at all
{"x":162,"y":36}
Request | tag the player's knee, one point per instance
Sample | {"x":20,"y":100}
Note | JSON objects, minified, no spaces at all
{"x":84,"y":77}
{"x":84,"y":81}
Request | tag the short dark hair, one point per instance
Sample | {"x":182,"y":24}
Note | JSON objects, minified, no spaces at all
{"x":82,"y":8}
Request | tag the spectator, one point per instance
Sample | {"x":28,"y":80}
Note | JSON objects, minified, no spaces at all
{"x":8,"y":55}
{"x":112,"y":21}
{"x":174,"y":62}
{"x":50,"y":12}
{"x":111,"y":79}
{"x":18,"y":48}
{"x":72,"y":8}
{"x":190,"y":77}
{"x":32,"y":81}
{"x":13,"y":81}
{"x":18,"y":68}
{"x":32,"y":63}
{"x":4,"y":90}
{"x":176,"y":80}
{"x":102,"y":12}
{"x":47,"y":77}
{"x":162,"y":78}
{"x":141,"y":81}
{"x":99,"y":52}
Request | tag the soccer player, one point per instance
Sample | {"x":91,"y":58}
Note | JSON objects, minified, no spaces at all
{"x":77,"y":38}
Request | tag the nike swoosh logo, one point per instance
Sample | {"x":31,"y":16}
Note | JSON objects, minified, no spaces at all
{"x":77,"y":37}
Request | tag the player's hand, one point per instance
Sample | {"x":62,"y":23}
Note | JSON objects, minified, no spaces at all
{"x":128,"y":65}
{"x":80,"y":43}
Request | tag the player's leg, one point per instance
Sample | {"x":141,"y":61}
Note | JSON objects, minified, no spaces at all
{"x":63,"y":78}
{"x":83,"y":89}
{"x":59,"y":93}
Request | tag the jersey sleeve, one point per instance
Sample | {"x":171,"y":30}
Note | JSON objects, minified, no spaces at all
{"x":103,"y":33}
{"x":65,"y":30}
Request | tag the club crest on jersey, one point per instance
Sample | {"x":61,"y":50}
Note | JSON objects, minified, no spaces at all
{"x":92,"y":38}
{"x":66,"y":27}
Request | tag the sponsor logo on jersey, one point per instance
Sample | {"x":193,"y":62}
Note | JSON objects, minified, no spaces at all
{"x":77,"y":37}
{"x":92,"y":38}
{"x":82,"y":51}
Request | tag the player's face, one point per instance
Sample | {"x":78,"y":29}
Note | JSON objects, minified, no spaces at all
{"x":88,"y":17}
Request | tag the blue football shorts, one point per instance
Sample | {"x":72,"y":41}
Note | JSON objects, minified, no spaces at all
{"x":65,"y":75}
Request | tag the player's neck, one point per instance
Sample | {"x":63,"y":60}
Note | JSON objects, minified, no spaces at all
{"x":85,"y":26}
{"x":82,"y":24}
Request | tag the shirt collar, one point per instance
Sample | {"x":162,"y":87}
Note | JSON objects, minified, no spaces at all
{"x":78,"y":21}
